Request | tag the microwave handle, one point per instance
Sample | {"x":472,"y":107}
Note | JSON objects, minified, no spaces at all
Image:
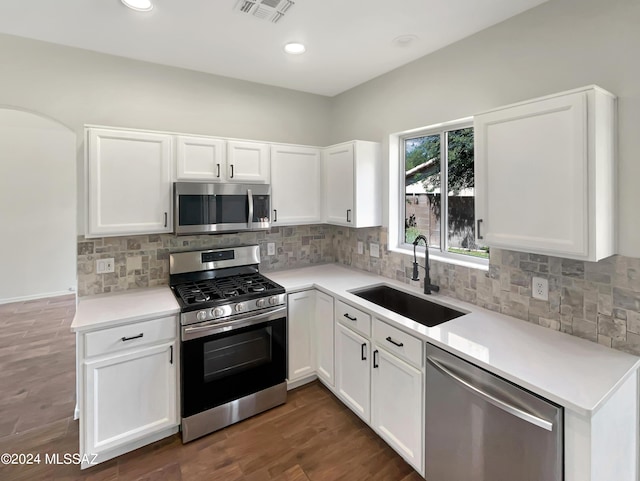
{"x":250,"y":220}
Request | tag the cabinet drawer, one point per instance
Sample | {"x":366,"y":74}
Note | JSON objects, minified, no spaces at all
{"x":398,"y":342}
{"x":129,"y":335}
{"x":353,"y":318}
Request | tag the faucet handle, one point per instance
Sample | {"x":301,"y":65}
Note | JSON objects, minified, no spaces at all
{"x":415,"y":276}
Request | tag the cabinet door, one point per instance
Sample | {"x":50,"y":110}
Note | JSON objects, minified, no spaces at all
{"x":295,"y":185}
{"x":532,"y":176}
{"x":338,"y":193}
{"x":200,"y":158}
{"x":129,"y":183}
{"x":324,"y":337}
{"x":129,"y":396}
{"x":353,"y":375}
{"x":248,"y":162}
{"x":396,"y":406}
{"x":301,"y":310}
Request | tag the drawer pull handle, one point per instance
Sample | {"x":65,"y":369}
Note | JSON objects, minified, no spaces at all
{"x":363,"y":352}
{"x":125,"y":339}
{"x":350,"y":318}
{"x":375,"y":359}
{"x":399,"y":344}
{"x":171,"y":355}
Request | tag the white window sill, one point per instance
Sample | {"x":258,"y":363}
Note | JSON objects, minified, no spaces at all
{"x":476,"y":263}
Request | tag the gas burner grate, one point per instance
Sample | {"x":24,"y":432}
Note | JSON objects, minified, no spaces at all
{"x":198,"y":292}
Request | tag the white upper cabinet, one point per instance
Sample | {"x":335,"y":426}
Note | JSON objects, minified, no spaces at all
{"x":545,"y":175}
{"x":352,"y":184}
{"x":295,"y":185}
{"x":200,"y":158}
{"x":129,"y":182}
{"x":248,"y":162}
{"x":219,"y":160}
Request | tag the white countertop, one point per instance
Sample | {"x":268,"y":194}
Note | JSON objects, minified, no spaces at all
{"x":573,"y":372}
{"x":97,"y":312}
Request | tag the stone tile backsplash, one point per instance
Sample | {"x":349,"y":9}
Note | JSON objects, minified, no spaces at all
{"x":143,"y":261}
{"x":596,"y":301}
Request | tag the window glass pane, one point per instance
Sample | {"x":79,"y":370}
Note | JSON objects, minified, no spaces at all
{"x":461,"y":238}
{"x":422,"y":188}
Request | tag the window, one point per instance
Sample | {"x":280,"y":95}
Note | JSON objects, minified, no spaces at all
{"x":429,"y":159}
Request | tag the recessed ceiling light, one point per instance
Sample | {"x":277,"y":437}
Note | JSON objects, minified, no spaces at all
{"x":139,"y":5}
{"x":404,"y":40}
{"x":295,"y":48}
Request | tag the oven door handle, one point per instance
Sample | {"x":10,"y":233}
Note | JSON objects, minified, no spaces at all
{"x":210,"y":328}
{"x":250,"y":220}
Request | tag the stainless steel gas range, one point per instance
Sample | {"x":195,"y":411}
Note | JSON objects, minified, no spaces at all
{"x":234,"y":338}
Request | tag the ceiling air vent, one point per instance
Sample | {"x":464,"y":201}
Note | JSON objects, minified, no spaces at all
{"x":271,"y":10}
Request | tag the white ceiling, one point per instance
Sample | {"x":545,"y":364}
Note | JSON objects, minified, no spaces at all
{"x":348,"y":41}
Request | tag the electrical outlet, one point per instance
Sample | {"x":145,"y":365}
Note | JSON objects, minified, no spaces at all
{"x":540,"y":288}
{"x":374,"y":249}
{"x":104,"y":266}
{"x":360,"y":247}
{"x":271,"y":249}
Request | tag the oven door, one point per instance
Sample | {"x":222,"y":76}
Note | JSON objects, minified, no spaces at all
{"x":227,"y":361}
{"x":210,"y":208}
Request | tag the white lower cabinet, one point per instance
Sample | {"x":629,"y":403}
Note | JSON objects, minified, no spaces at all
{"x":396,"y":405}
{"x":128,"y":387}
{"x":129,"y":396}
{"x":300,"y":317}
{"x":324,"y":338}
{"x":353,"y":374}
{"x":371,"y":366}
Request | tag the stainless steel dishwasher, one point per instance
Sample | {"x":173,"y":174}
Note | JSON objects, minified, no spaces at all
{"x":480,"y":427}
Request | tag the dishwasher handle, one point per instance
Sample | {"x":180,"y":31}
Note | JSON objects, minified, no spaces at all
{"x":508,"y":408}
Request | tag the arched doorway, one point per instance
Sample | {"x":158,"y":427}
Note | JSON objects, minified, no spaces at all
{"x":37,"y":206}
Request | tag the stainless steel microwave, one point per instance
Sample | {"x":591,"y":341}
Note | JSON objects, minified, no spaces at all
{"x":208,"y":208}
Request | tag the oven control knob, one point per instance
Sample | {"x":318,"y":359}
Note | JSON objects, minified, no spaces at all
{"x":240,"y":307}
{"x":273,"y":300}
{"x":260,"y":302}
{"x":201,"y":315}
{"x":217,"y":312}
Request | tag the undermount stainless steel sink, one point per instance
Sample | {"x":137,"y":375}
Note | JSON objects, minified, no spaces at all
{"x":420,"y":310}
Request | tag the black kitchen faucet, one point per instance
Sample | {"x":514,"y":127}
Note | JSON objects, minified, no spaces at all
{"x":428,"y":287}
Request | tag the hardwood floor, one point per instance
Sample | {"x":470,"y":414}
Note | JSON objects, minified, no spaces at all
{"x":311,"y":437}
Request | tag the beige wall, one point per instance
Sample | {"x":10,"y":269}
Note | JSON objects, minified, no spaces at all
{"x":557,"y":46}
{"x":38,"y":199}
{"x":78,"y":87}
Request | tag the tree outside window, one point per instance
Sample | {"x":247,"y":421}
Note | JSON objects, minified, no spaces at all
{"x":432,"y":159}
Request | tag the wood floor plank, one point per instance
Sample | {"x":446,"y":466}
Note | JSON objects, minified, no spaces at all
{"x":313,"y":437}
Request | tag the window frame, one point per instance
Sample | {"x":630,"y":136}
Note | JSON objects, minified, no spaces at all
{"x":397,"y":241}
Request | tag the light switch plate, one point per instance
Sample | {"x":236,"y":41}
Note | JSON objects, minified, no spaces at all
{"x":271,"y":249}
{"x":374,"y":249}
{"x":104,"y":266}
{"x":360,"y":247}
